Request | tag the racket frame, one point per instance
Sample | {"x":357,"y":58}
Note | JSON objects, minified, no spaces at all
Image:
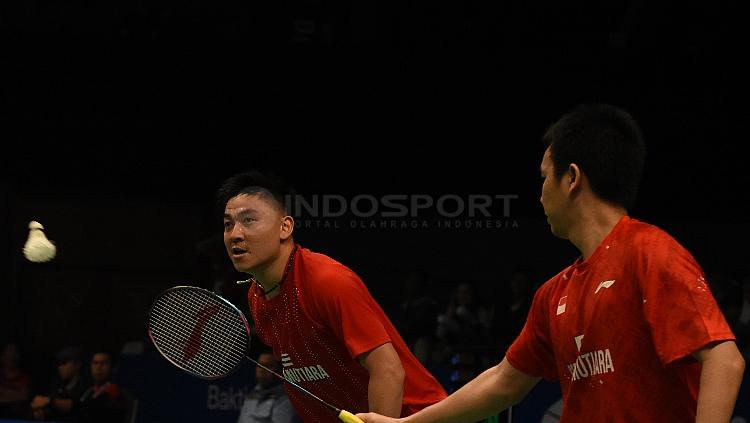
{"x":220,"y":299}
{"x":343,"y":415}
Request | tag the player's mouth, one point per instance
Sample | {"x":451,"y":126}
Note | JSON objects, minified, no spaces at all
{"x":238,"y":251}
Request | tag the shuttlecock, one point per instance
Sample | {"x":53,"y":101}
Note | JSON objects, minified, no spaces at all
{"x":38,"y":248}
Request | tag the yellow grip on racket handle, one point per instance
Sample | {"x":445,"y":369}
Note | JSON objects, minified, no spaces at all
{"x":348,"y":417}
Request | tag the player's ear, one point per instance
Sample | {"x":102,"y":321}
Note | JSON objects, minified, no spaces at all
{"x":287,"y":227}
{"x":574,"y":176}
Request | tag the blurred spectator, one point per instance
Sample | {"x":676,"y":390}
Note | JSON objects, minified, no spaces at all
{"x":727,"y":290}
{"x":732,"y":294}
{"x":416,"y":315}
{"x":59,"y":404}
{"x":103,"y":401}
{"x":462,"y":330}
{"x":15,"y":383}
{"x":509,"y":314}
{"x":465,"y":321}
{"x":267,"y":402}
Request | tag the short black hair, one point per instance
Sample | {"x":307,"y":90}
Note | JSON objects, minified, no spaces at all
{"x":606,"y":142}
{"x":256,"y":182}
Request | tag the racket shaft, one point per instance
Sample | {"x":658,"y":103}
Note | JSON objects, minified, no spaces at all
{"x":344,"y":415}
{"x":335,"y":409}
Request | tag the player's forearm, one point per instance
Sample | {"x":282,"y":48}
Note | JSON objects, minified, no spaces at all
{"x":486,"y":395}
{"x":385,"y":392}
{"x":489,"y":393}
{"x":721,"y":377}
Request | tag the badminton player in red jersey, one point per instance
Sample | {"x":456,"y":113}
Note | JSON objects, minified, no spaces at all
{"x":331,"y":336}
{"x":630,"y":330}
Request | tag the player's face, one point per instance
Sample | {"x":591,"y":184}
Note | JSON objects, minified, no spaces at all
{"x":552,"y":196}
{"x":253,"y":226}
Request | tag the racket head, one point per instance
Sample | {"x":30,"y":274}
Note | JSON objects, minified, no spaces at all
{"x":198,"y":331}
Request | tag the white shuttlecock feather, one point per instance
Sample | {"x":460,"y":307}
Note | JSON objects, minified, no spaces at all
{"x":38,"y":248}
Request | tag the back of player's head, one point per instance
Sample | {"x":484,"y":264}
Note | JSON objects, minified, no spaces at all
{"x":606,"y":144}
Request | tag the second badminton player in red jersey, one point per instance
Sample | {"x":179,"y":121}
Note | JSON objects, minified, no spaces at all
{"x":626,"y":317}
{"x":331,"y":336}
{"x":630,"y":330}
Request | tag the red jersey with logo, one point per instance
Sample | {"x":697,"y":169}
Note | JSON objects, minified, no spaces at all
{"x":618,"y":330}
{"x":322,"y":320}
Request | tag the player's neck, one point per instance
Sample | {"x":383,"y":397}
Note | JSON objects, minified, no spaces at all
{"x":593,"y":225}
{"x":270,"y":282}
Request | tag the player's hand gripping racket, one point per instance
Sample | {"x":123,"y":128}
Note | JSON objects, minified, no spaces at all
{"x":207,"y":336}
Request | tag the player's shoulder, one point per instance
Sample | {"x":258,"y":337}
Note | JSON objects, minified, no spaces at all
{"x":314,"y":258}
{"x":319,"y":263}
{"x":322,"y":269}
{"x":641,"y":232}
{"x":549,"y":293}
{"x":552,"y":284}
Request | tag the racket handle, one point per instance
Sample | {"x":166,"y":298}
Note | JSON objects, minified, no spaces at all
{"x":348,"y":417}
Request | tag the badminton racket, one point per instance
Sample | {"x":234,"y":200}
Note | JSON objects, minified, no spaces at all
{"x":206,"y":336}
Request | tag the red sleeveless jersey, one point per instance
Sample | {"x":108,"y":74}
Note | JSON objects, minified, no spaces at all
{"x":322,"y":320}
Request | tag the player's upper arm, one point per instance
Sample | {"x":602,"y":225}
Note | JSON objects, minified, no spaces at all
{"x":383,"y":358}
{"x":513,"y":383}
{"x":725,"y":351}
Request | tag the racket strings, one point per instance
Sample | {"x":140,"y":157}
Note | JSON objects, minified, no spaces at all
{"x":208,"y":343}
{"x":206,"y":336}
{"x":198,"y":333}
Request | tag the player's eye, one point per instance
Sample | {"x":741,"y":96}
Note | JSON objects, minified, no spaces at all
{"x":247,"y":220}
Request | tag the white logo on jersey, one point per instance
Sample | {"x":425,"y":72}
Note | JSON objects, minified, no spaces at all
{"x":604,"y":284}
{"x":578,"y":342}
{"x":286,"y":361}
{"x":561,"y":305}
{"x":302,"y":374}
{"x":591,"y":364}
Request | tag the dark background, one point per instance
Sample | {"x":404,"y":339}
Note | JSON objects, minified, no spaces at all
{"x":121,"y":118}
{"x":164,"y":99}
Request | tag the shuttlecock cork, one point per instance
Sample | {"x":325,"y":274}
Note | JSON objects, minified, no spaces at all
{"x":38,"y":248}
